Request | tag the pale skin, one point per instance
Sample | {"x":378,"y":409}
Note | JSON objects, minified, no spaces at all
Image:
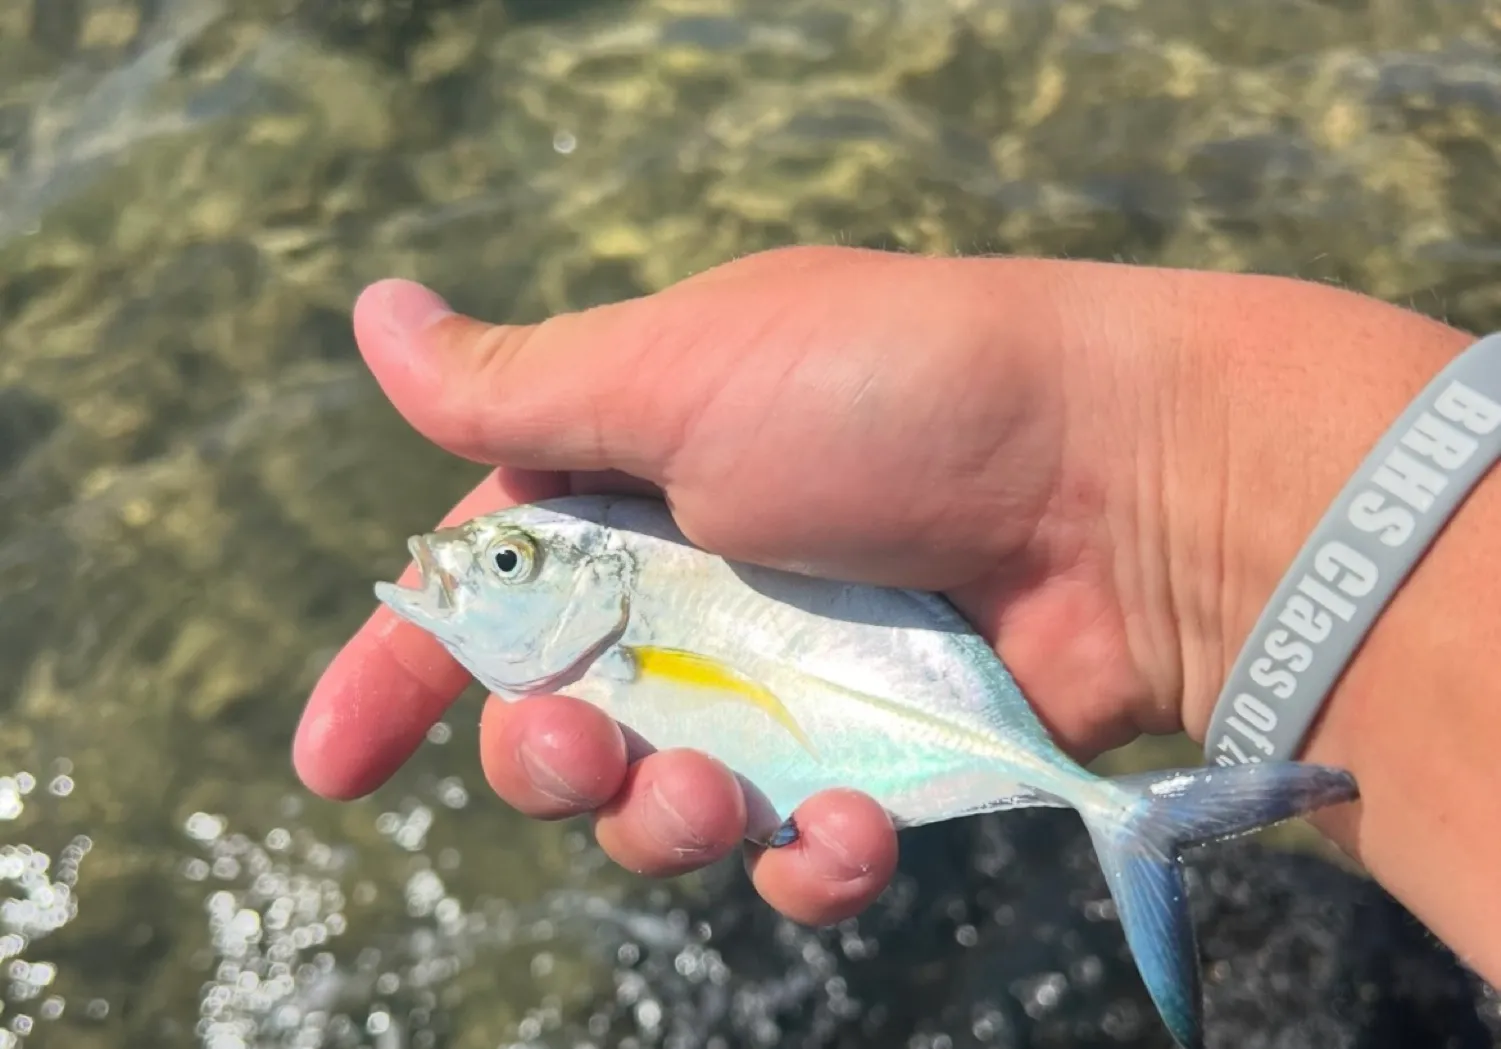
{"x":1106,"y":467}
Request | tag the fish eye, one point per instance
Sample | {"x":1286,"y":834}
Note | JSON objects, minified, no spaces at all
{"x":513,"y":559}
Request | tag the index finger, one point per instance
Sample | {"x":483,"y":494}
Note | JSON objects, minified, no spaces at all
{"x":376,"y":700}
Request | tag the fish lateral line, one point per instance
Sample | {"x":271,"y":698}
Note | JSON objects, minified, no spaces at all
{"x":696,"y":669}
{"x":988,"y":740}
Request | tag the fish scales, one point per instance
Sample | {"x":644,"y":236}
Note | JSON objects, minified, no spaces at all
{"x":800,"y":685}
{"x":859,"y":690}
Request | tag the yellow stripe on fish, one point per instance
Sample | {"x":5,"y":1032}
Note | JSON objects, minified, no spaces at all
{"x":691,"y":670}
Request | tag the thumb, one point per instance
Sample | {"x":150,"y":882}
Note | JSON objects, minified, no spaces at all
{"x":560,"y":395}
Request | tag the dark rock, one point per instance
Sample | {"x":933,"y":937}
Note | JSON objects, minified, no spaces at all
{"x":55,"y":25}
{"x":25,"y":421}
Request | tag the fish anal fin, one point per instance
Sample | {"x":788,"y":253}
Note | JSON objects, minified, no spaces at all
{"x":716,"y":679}
{"x":1019,"y":799}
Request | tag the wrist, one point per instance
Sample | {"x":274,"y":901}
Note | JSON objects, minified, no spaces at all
{"x":1413,"y":715}
{"x":1235,"y":411}
{"x":1296,"y":382}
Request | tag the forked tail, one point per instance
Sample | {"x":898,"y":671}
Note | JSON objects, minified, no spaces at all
{"x":1139,"y":853}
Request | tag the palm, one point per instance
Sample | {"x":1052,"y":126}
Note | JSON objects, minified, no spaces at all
{"x":862,"y":430}
{"x":848,"y":414}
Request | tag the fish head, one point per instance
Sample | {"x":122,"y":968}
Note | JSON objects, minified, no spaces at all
{"x":523,"y":598}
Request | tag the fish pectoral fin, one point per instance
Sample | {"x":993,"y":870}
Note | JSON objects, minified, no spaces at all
{"x":714,"y":679}
{"x":617,"y":664}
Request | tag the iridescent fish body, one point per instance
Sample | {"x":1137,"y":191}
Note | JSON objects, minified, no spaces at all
{"x":801,"y":684}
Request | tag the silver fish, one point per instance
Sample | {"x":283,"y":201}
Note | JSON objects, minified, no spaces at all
{"x":801,"y":684}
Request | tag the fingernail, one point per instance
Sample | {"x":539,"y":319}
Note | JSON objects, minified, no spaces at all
{"x":666,"y":824}
{"x":411,"y":309}
{"x":831,"y":856}
{"x":547,"y":779}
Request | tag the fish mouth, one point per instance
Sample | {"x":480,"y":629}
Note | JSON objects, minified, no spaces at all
{"x":432,"y":600}
{"x":433,"y":580}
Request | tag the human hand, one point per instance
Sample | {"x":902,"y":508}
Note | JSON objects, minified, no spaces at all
{"x":1048,"y":443}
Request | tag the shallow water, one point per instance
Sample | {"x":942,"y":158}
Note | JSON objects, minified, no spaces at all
{"x":198,"y":481}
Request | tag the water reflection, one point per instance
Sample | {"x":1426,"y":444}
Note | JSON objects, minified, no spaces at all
{"x":40,"y":900}
{"x":198,"y":482}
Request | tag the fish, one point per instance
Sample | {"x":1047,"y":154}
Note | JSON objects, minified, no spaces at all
{"x":800,"y":684}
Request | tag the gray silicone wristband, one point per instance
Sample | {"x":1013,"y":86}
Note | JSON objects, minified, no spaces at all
{"x":1370,"y":540}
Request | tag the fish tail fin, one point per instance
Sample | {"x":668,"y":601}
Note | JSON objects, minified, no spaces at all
{"x":1139,"y":851}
